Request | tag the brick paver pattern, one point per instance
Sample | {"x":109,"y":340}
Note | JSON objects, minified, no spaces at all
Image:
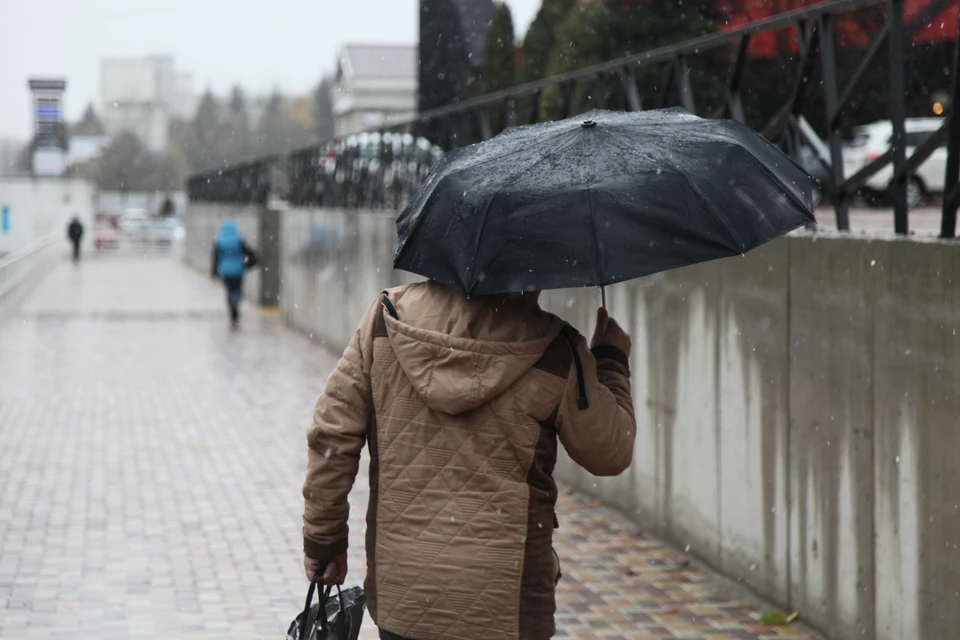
{"x":150,"y":470}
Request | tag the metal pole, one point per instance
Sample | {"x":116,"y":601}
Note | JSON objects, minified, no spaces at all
{"x":948,"y":224}
{"x":630,"y":87}
{"x":828,"y":59}
{"x":898,"y":110}
{"x":686,"y":87}
{"x":735,"y":101}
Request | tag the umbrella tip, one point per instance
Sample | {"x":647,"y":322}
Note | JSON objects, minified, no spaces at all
{"x":586,"y":124}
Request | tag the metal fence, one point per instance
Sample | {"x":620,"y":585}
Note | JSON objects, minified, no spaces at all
{"x":380,"y":169}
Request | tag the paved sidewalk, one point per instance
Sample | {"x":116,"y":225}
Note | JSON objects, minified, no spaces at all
{"x":150,"y":469}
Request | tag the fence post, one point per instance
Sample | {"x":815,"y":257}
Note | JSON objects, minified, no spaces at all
{"x":951,"y":194}
{"x":898,"y":112}
{"x":269,"y":234}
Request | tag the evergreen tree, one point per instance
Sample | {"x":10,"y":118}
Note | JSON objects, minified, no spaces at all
{"x":541,"y":38}
{"x":538,"y":46}
{"x":236,"y":137}
{"x":610,"y":29}
{"x":323,"y":110}
{"x":203,"y":147}
{"x":498,"y":71}
{"x":278,"y":130}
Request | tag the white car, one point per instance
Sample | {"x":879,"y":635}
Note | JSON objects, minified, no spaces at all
{"x":873,"y":140}
{"x":132,"y":220}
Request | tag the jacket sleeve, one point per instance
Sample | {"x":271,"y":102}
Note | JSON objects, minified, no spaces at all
{"x":599,"y":438}
{"x":334,"y":441}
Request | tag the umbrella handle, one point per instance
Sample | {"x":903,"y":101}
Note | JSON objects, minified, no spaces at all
{"x":603,"y":296}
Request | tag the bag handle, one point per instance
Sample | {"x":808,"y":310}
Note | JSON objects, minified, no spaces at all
{"x":322,"y":609}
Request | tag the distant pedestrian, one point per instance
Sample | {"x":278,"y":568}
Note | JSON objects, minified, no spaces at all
{"x":75,"y":234}
{"x":231,"y":258}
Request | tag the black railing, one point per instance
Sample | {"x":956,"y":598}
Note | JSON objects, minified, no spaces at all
{"x":383,"y":167}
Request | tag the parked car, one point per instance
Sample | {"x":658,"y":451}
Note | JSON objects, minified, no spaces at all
{"x":105,"y":236}
{"x":807,"y":159}
{"x":162,"y":232}
{"x":132,"y":221}
{"x":873,"y":140}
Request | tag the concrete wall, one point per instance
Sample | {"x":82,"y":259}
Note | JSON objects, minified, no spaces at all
{"x":333,"y":266}
{"x":37,"y":207}
{"x":798,"y":411}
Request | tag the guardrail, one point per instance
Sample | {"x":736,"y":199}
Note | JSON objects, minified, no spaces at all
{"x":17,"y":267}
{"x":375,"y":178}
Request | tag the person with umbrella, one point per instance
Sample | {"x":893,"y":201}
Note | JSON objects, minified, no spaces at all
{"x":462,"y":387}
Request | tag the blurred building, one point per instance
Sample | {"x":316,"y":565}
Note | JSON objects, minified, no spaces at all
{"x":49,"y":139}
{"x":88,"y":137}
{"x":453,"y":37}
{"x":373,"y":83}
{"x":142,"y":95}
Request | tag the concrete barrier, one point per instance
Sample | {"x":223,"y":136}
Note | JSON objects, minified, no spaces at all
{"x":798,"y":410}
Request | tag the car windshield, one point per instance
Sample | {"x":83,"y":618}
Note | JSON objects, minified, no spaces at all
{"x":860,"y":140}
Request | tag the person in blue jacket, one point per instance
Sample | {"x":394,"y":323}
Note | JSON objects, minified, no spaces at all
{"x":231,"y":258}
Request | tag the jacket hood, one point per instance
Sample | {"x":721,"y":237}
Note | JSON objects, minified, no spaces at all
{"x":228,"y":231}
{"x":459,"y":353}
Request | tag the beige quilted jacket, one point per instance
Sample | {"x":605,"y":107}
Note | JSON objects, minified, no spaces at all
{"x":461,"y":403}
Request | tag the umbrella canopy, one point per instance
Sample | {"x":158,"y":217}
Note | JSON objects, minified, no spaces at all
{"x":598,"y":199}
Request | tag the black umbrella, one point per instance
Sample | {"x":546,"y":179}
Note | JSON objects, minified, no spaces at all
{"x":598,"y":199}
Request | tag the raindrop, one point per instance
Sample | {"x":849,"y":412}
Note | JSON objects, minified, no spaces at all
{"x":687,"y":549}
{"x":873,"y":263}
{"x":897,"y":460}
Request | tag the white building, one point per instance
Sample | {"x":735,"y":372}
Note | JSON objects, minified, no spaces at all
{"x":141,"y":95}
{"x":373,"y":83}
{"x":88,"y":138}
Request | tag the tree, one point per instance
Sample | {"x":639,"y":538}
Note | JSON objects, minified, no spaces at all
{"x":323,"y":110}
{"x":541,"y":38}
{"x":576,"y":47}
{"x":167,"y":209}
{"x":126,"y":165}
{"x":234,"y":132}
{"x":203,"y":147}
{"x":611,"y":29}
{"x":278,"y":130}
{"x":498,"y":71}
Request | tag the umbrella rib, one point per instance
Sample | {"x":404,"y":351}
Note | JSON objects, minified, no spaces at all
{"x":709,"y":207}
{"x":504,"y":184}
{"x":501,"y":157}
{"x":596,"y":237}
{"x":693,"y":187}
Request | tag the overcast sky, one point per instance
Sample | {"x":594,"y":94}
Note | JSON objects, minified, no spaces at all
{"x":258,"y":44}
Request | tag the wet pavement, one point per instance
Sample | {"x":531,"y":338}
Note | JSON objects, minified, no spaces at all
{"x":150,"y":471}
